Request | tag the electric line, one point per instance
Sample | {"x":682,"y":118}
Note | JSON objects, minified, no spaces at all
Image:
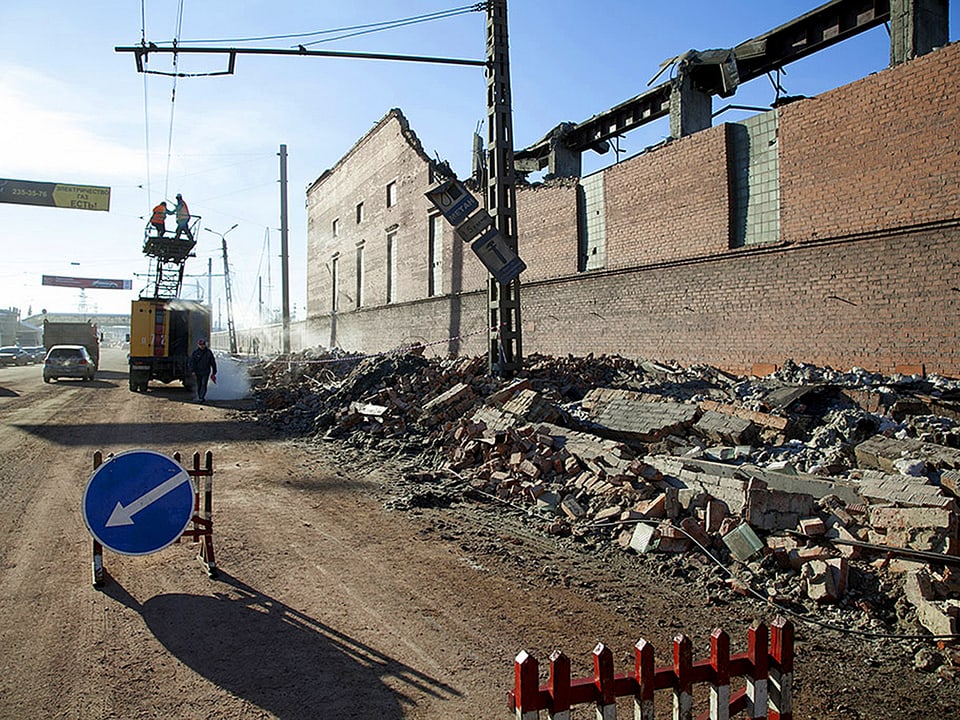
{"x":396,"y":24}
{"x":368,"y":27}
{"x":173,"y":101}
{"x":146,"y":113}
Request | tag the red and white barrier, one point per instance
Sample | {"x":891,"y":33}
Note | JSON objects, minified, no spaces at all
{"x":767,"y":673}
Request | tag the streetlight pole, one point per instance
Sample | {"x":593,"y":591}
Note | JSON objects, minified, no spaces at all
{"x":284,"y":255}
{"x":231,"y":328}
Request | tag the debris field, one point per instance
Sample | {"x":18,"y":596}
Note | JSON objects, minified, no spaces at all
{"x":823,"y":492}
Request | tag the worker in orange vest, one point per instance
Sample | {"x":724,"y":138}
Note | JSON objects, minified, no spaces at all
{"x":183,"y":218}
{"x":159,"y":218}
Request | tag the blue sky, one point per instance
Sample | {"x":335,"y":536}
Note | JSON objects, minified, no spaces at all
{"x":75,"y":111}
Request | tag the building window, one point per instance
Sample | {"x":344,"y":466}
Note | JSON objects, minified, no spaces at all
{"x":359,"y":213}
{"x":359,"y":288}
{"x":391,"y":267}
{"x":392,"y":194}
{"x":435,"y":283}
{"x":336,"y":227}
{"x":334,"y":281}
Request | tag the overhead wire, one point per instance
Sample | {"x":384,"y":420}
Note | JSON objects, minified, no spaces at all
{"x":173,"y":100}
{"x":146,"y":97}
{"x":336,"y":33}
{"x":363,"y":29}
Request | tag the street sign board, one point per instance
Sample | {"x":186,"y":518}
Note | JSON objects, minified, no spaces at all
{"x":502,"y":262}
{"x":75,"y":282}
{"x":454,"y":200}
{"x":474,"y":225}
{"x":61,"y":195}
{"x":138,"y":502}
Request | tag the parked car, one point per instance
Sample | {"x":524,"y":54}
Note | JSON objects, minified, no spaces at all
{"x":37,"y":353}
{"x":13,"y":355}
{"x":68,"y":361}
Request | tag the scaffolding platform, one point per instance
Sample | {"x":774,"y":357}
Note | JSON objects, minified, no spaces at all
{"x":167,"y":249}
{"x":168,"y":257}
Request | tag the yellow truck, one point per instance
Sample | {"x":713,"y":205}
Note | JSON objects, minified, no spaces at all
{"x":163,"y":333}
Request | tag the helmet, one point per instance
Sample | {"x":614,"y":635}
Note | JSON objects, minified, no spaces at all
{"x":179,"y":196}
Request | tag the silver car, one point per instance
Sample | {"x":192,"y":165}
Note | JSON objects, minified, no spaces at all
{"x":72,"y":361}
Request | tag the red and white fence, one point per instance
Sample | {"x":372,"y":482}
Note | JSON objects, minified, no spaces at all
{"x":767,"y":673}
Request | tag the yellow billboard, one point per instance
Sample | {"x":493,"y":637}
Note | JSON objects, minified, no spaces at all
{"x":61,"y":195}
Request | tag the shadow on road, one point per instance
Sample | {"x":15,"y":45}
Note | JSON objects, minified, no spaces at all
{"x":97,"y":382}
{"x":6,"y":392}
{"x":278,"y":658}
{"x":188,"y":433}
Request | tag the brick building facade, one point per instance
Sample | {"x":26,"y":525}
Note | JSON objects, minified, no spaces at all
{"x":824,"y":231}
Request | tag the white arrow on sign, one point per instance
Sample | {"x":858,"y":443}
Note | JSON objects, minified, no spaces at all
{"x":124,"y":515}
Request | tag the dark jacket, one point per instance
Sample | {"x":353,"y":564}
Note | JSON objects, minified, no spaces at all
{"x":202,"y":362}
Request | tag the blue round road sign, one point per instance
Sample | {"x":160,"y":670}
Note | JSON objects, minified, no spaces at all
{"x":138,"y":502}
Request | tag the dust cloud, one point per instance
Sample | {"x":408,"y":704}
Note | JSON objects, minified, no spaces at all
{"x":233,"y":382}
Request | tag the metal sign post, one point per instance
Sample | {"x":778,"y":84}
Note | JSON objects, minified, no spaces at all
{"x":456,"y":203}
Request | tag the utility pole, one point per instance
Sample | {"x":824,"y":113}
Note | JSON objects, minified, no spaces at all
{"x":231,"y":328}
{"x":284,"y":259}
{"x":505,"y":355}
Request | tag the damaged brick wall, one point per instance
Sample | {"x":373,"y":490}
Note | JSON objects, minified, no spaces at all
{"x":881,"y":152}
{"x":864,"y":274}
{"x":390,"y":153}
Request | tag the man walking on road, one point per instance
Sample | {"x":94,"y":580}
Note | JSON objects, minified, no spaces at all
{"x":204,"y":366}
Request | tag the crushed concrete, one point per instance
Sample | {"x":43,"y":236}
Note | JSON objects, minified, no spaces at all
{"x":814,"y":488}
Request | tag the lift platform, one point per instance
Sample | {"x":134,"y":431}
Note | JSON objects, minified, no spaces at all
{"x":168,"y":256}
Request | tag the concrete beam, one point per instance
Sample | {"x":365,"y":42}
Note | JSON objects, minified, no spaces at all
{"x":917,"y":27}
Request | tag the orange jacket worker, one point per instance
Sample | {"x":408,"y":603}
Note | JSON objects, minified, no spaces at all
{"x":183,"y":218}
{"x":159,"y":218}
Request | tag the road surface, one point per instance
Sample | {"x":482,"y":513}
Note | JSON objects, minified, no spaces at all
{"x":327,"y":604}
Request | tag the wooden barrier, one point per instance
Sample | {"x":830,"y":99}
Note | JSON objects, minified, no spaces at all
{"x":202,"y":519}
{"x":767,"y":673}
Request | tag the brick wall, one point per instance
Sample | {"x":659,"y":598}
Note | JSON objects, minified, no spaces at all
{"x":670,"y":203}
{"x":387,"y":154}
{"x":548,"y":230}
{"x":874,"y":302}
{"x":881,"y":152}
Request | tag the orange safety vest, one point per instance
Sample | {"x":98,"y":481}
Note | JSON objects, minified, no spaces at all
{"x":159,"y":214}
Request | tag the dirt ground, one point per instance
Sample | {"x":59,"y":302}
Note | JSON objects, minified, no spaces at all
{"x":328,"y":603}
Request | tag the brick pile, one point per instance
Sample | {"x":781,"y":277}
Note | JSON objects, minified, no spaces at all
{"x":650,"y":458}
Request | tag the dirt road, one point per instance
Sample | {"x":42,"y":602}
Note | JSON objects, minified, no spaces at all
{"x":327,"y":605}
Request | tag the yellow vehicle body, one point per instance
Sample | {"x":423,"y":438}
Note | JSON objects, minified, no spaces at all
{"x":163,"y":333}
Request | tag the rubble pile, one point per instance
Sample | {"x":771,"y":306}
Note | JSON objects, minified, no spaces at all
{"x":815,"y":488}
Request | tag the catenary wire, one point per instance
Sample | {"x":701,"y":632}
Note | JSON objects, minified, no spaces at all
{"x":371,"y":27}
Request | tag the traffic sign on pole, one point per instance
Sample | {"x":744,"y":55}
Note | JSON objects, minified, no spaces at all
{"x":454,"y":200}
{"x":138,"y":502}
